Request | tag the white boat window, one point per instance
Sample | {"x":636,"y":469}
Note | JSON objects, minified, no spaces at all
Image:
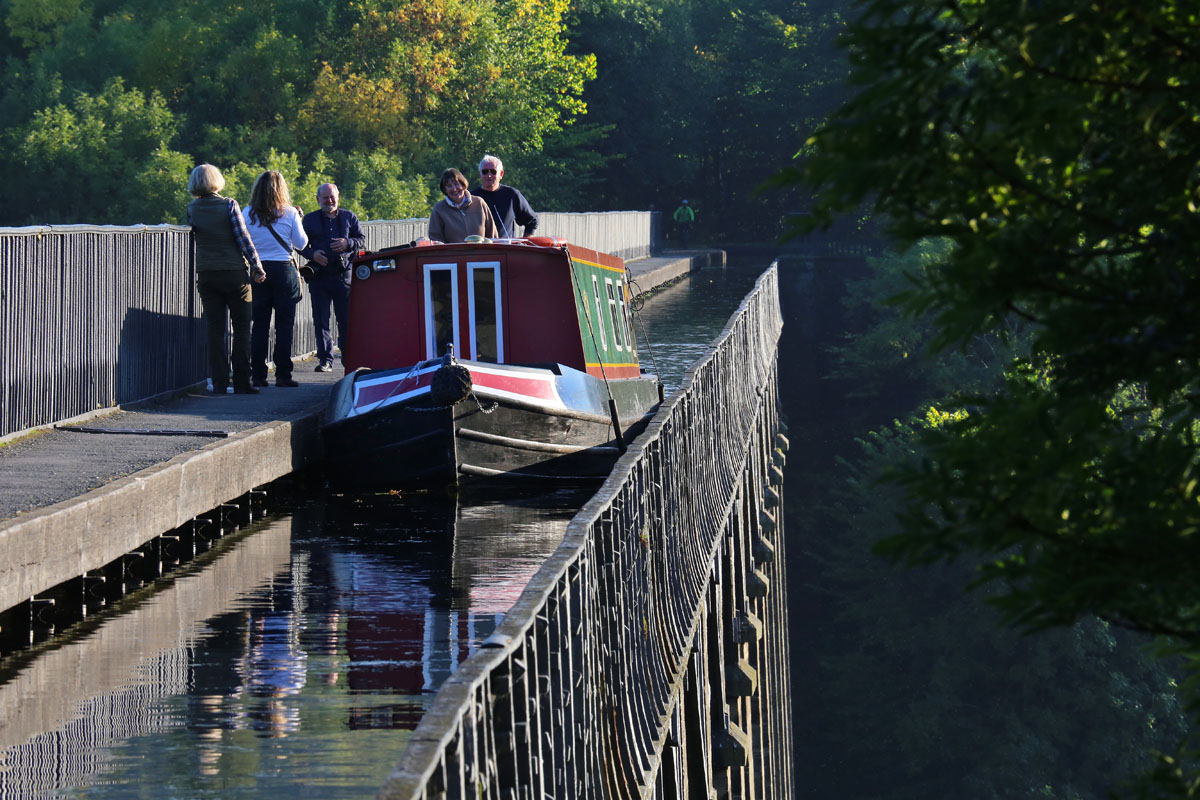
{"x":615,"y":315}
{"x":486,"y":311}
{"x":441,"y":309}
{"x":600,"y":332}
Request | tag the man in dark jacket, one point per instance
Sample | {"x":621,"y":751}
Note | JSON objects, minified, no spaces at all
{"x":509,"y":206}
{"x":334,"y":236}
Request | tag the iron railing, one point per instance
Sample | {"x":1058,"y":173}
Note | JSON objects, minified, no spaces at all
{"x":625,"y":234}
{"x":92,"y":316}
{"x":635,"y":663}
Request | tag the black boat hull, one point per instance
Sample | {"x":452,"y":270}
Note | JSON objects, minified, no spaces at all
{"x":482,"y":439}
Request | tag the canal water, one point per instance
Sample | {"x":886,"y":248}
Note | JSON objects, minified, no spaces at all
{"x":296,"y":658}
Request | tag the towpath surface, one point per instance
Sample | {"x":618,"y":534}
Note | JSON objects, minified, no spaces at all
{"x":52,"y":468}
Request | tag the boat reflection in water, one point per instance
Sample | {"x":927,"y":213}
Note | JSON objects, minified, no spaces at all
{"x":294,"y":662}
{"x":419,"y":601}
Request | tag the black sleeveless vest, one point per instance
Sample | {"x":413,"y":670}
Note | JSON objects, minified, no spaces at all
{"x":216,"y":244}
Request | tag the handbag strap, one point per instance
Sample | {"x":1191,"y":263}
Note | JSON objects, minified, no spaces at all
{"x":279,"y":239}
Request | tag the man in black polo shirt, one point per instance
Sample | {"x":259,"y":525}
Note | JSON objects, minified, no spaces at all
{"x":509,"y":206}
{"x":334,"y":236}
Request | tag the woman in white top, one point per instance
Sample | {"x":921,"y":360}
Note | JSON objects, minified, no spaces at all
{"x":275,"y":227}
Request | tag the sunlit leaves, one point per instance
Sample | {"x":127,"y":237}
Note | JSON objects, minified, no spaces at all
{"x":377,"y":181}
{"x":73,"y":153}
{"x":421,"y":83}
{"x":442,"y":80}
{"x":353,"y":111}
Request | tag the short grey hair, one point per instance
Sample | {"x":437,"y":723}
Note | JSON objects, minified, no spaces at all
{"x":205,"y":179}
{"x":487,"y":158}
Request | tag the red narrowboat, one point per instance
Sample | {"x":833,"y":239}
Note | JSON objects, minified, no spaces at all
{"x":500,"y":360}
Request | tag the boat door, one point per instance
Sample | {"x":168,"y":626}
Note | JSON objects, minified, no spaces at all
{"x":476,"y":331}
{"x":485,"y":312}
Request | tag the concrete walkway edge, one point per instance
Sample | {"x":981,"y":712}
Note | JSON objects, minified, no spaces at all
{"x":52,"y":545}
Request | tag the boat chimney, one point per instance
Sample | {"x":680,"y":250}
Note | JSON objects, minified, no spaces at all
{"x":448,"y":357}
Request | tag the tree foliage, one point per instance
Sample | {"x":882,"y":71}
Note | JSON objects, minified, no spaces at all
{"x":1055,"y":144}
{"x":71,"y":154}
{"x":706,"y":99}
{"x":925,"y":684}
{"x":916,"y":677}
{"x":592,"y":104}
{"x":104,"y":93}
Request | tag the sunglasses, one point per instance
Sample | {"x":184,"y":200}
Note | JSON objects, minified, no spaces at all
{"x":487,"y":172}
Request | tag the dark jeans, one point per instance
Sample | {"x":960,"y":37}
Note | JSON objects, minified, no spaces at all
{"x":276,"y":294}
{"x":226,"y":292}
{"x":323,"y":290}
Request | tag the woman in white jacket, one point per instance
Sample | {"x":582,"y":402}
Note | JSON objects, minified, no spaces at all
{"x":275,"y":226}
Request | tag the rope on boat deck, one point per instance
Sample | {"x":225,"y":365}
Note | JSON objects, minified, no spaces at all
{"x":395,"y":388}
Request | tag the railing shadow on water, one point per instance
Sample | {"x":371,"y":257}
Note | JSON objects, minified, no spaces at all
{"x":634,"y":663}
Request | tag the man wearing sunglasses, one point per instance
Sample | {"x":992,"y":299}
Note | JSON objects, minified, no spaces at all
{"x":509,"y":206}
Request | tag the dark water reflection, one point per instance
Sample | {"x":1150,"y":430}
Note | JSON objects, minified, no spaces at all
{"x":299,"y":657}
{"x":295,"y":662}
{"x":681,"y":321}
